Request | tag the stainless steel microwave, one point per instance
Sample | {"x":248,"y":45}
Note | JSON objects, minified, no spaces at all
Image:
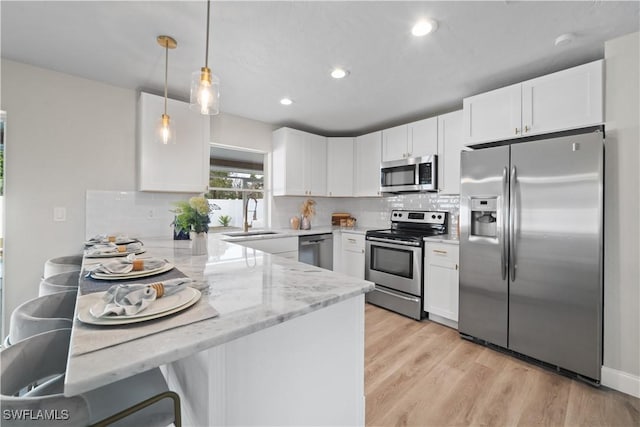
{"x":409,"y":175}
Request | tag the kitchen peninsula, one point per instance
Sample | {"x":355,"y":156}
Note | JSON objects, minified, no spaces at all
{"x":287,"y":347}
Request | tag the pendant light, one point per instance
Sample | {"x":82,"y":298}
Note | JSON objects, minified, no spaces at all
{"x":205,"y":87}
{"x":166,"y":132}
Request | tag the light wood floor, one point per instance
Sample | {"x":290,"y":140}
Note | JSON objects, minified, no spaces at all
{"x":424,"y":374}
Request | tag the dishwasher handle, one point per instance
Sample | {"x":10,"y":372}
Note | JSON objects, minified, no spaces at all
{"x":310,"y":242}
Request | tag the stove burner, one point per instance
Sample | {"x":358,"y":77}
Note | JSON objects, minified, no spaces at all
{"x":413,"y":226}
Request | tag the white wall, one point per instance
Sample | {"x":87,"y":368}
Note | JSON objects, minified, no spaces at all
{"x":239,"y":132}
{"x":64,"y":135}
{"x":67,"y":135}
{"x":622,"y":207}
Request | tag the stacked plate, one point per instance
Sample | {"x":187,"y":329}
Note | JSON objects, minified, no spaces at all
{"x":133,"y":274}
{"x":93,"y":304}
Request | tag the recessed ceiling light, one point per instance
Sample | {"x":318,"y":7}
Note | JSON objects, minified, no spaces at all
{"x":286,"y":101}
{"x":339,"y":73}
{"x":564,"y":39}
{"x":424,"y":27}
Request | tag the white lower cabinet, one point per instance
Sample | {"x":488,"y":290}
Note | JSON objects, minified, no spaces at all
{"x":352,"y":255}
{"x":441,"y":282}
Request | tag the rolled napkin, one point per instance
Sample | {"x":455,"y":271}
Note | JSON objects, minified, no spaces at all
{"x":128,"y":264}
{"x":127,"y":300}
{"x":104,"y":238}
{"x":112,"y":248}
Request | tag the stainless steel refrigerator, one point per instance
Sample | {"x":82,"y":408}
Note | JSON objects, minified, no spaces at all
{"x":531,"y":249}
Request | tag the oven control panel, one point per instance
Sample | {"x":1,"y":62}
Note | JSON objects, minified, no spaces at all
{"x":421,"y":217}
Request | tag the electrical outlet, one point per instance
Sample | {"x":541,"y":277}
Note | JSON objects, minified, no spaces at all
{"x":59,"y":213}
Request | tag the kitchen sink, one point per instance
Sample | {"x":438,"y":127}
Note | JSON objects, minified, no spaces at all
{"x":249,"y":233}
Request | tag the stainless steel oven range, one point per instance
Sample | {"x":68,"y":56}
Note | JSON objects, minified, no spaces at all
{"x":394,"y":259}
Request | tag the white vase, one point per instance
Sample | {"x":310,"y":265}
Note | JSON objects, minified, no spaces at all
{"x":305,"y":224}
{"x":199,"y":243}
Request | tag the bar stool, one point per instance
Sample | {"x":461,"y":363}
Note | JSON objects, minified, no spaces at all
{"x":140,"y":400}
{"x":59,"y":283}
{"x":62,"y":264}
{"x":42,"y":314}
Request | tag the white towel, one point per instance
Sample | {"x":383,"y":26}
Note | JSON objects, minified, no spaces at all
{"x":127,"y":300}
{"x":125,"y":265}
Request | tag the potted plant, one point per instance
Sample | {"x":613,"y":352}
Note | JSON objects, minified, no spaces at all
{"x":193,"y":217}
{"x":224,"y":220}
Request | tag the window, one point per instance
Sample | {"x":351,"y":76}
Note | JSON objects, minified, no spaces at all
{"x":235,"y":178}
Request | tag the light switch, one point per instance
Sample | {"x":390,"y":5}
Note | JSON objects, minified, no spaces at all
{"x":59,"y":213}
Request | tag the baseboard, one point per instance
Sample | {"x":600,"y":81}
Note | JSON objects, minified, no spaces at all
{"x":622,"y":381}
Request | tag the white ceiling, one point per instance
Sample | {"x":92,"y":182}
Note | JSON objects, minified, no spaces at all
{"x":263,"y":51}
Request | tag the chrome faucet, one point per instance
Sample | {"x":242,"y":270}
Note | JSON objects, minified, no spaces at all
{"x":245,"y":223}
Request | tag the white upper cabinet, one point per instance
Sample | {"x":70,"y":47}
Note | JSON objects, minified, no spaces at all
{"x":493,"y":115}
{"x":423,"y":137}
{"x":415,"y":139}
{"x":565,"y":100}
{"x":316,"y":179}
{"x":299,"y":163}
{"x":560,"y":101}
{"x":395,"y":142}
{"x":450,"y":144}
{"x":340,"y":167}
{"x":182,"y":166}
{"x":368,"y":153}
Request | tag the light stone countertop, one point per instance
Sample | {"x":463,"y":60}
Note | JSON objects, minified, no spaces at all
{"x":250,"y":289}
{"x":287,"y":232}
{"x":449,"y":238}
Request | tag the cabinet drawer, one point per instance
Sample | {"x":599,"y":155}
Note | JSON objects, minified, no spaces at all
{"x":353,"y":242}
{"x":442,"y":252}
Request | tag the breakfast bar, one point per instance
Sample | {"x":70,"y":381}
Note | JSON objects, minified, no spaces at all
{"x":285,"y":345}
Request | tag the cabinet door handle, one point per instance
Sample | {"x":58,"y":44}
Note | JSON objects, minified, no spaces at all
{"x":351,"y":240}
{"x":456,"y":266}
{"x":439,"y":251}
{"x":526,"y":128}
{"x":517,"y":131}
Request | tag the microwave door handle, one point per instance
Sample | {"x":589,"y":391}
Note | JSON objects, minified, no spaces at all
{"x":503,"y":223}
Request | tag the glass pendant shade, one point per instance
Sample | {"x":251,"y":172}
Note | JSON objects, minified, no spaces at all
{"x":165,"y":131}
{"x":205,"y":92}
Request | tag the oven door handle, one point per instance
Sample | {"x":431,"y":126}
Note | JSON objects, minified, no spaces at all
{"x":393,"y":242}
{"x":397,"y":295}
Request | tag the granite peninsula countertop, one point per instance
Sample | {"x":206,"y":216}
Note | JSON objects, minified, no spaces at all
{"x":250,"y":289}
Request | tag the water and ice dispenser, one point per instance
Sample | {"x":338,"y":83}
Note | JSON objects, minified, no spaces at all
{"x":484,"y":215}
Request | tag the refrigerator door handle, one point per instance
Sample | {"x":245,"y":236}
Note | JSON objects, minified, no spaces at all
{"x":503,"y":223}
{"x":512,"y":223}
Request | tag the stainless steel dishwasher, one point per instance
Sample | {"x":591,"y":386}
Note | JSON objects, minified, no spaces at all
{"x":316,"y":249}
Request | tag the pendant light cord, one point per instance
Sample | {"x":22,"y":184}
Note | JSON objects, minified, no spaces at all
{"x":166,"y":72}
{"x":206,"y":49}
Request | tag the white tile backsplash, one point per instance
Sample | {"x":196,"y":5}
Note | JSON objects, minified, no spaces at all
{"x":134,"y":213}
{"x":369,"y":211}
{"x":148,"y":214}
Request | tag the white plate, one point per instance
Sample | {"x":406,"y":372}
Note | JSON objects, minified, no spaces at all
{"x":85,"y":316}
{"x":132,"y":274}
{"x":117,"y":242}
{"x":115,"y":254}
